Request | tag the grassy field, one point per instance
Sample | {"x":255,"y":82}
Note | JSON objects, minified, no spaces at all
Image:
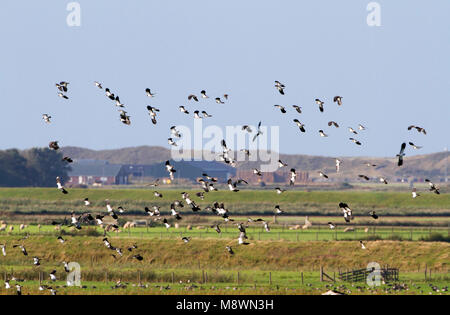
{"x":272,"y":264}
{"x":42,"y":200}
{"x":254,"y":232}
{"x":205,"y":267}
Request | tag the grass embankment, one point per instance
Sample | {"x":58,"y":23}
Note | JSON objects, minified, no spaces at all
{"x":48,"y":200}
{"x":208,"y":253}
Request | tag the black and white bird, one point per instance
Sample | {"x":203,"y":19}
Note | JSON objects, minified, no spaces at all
{"x":433,"y":187}
{"x":281,"y":108}
{"x":257,"y":172}
{"x":297,"y":108}
{"x":22,"y":248}
{"x":280,"y":87}
{"x":361,"y":127}
{"x":258,"y":133}
{"x":230,"y":250}
{"x":186,"y":239}
{"x":46,"y":118}
{"x":266,"y":226}
{"x":118,"y":103}
{"x":364,"y":176}
{"x":281,"y":164}
{"x":53,"y":275}
{"x":322,"y":174}
{"x":171,"y":142}
{"x":197,"y":114}
{"x":232,"y":186}
{"x":174,"y":212}
{"x":60,"y":94}
{"x":203,"y":94}
{"x":166,"y":223}
{"x":61,"y":239}
{"x":183,"y":110}
{"x":170,"y":169}
{"x":383,"y":180}
{"x":293,"y":177}
{"x":3,"y":247}
{"x":300,"y":125}
{"x":373,"y":215}
{"x":415,"y":147}
{"x":279,"y":190}
{"x":175,"y":132}
{"x":247,"y":128}
{"x":138,"y":257}
{"x":278,"y":210}
{"x":98,"y":84}
{"x":206,"y":115}
{"x":401,"y":154}
{"x":331,"y":225}
{"x":320,"y":103}
{"x":149,"y":93}
{"x":157,"y":194}
{"x":323,"y":134}
{"x":216,"y":227}
{"x":333,"y":123}
{"x":86,"y":202}
{"x":338,"y":100}
{"x":352,"y":130}
{"x":219,"y":101}
{"x":110,"y":95}
{"x":355,"y":141}
{"x":348,"y":213}
{"x":54,"y":145}
{"x":60,"y":187}
{"x":419,"y":129}
{"x":193,"y":97}
{"x":414,"y":193}
{"x":362,"y":245}
{"x":36,"y":261}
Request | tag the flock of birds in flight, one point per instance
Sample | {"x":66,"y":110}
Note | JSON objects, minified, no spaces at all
{"x":207,"y":182}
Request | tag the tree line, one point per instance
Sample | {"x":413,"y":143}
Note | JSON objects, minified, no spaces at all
{"x":37,"y":167}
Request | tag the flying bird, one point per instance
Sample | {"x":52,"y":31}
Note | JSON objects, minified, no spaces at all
{"x":280,"y":87}
{"x":281,"y":108}
{"x":60,"y":186}
{"x":401,"y":154}
{"x":300,"y":125}
{"x":297,"y":108}
{"x":293,"y":177}
{"x":415,"y":147}
{"x":149,"y":93}
{"x":338,"y":100}
{"x":419,"y":129}
{"x":333,"y":123}
{"x":320,"y":103}
{"x":46,"y":118}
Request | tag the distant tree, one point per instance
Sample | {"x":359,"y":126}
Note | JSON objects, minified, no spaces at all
{"x":14,"y":171}
{"x":44,"y":166}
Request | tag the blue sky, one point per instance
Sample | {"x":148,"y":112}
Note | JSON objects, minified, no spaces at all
{"x":390,"y":76}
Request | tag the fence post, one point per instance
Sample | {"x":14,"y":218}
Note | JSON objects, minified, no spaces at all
{"x":302,"y":277}
{"x":321,"y":274}
{"x":270,"y":278}
{"x":237,"y":278}
{"x":173,"y":277}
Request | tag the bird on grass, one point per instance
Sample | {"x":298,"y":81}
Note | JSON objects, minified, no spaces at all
{"x":373,"y":215}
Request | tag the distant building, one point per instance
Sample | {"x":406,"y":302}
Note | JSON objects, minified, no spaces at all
{"x":271,"y":177}
{"x":96,"y":172}
{"x":190,"y":170}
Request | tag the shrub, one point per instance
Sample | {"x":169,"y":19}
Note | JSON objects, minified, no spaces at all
{"x":435,"y":237}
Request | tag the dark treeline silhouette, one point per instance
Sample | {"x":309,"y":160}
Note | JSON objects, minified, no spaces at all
{"x":31,"y":168}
